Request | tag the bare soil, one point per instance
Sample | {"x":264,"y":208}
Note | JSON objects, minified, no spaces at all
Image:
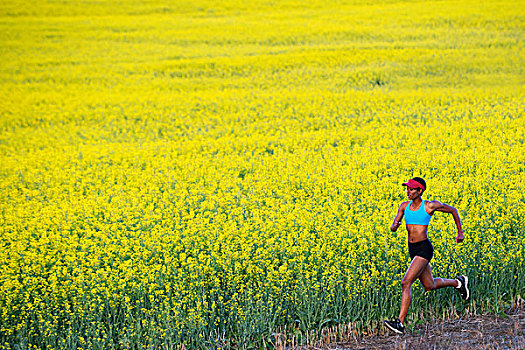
{"x":465,"y":333}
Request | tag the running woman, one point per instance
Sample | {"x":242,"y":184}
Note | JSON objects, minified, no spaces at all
{"x":417,"y":213}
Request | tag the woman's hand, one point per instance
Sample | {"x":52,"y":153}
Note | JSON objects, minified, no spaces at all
{"x":460,"y":237}
{"x":395,"y":226}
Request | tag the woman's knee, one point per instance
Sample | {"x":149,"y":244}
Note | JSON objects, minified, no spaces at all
{"x":406,"y":284}
{"x":429,"y":285}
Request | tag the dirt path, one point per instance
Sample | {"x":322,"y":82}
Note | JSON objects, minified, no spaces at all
{"x":476,"y":332}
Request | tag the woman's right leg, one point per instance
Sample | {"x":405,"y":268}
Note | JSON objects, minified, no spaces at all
{"x":416,"y":268}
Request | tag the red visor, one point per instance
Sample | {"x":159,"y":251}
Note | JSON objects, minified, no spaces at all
{"x":414,"y":184}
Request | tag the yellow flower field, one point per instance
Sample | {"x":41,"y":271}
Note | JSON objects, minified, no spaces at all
{"x":200,"y":175}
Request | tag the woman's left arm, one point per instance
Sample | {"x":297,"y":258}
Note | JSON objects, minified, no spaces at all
{"x":445,"y":208}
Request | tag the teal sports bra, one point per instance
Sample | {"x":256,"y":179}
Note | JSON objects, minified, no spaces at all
{"x":417,"y":217}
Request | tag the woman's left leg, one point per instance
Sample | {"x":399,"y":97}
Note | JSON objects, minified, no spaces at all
{"x":431,"y":283}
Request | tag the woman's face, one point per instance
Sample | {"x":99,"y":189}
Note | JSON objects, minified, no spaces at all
{"x":412,"y":193}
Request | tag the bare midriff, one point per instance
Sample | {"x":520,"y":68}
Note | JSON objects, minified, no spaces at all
{"x":417,"y":233}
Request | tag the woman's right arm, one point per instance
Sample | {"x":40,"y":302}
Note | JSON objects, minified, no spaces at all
{"x":398,"y":218}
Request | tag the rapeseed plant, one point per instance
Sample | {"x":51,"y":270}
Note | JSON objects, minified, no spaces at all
{"x":208,"y":175}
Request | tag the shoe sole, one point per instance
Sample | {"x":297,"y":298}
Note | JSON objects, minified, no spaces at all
{"x":466,"y":287}
{"x":392,"y":328}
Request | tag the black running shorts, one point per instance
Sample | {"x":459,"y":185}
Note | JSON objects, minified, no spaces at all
{"x":423,"y":249}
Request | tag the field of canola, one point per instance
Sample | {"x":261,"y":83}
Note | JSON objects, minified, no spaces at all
{"x":201,"y":175}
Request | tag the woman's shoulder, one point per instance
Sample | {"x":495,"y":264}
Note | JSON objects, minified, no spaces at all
{"x":404,"y":205}
{"x":432,"y":204}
